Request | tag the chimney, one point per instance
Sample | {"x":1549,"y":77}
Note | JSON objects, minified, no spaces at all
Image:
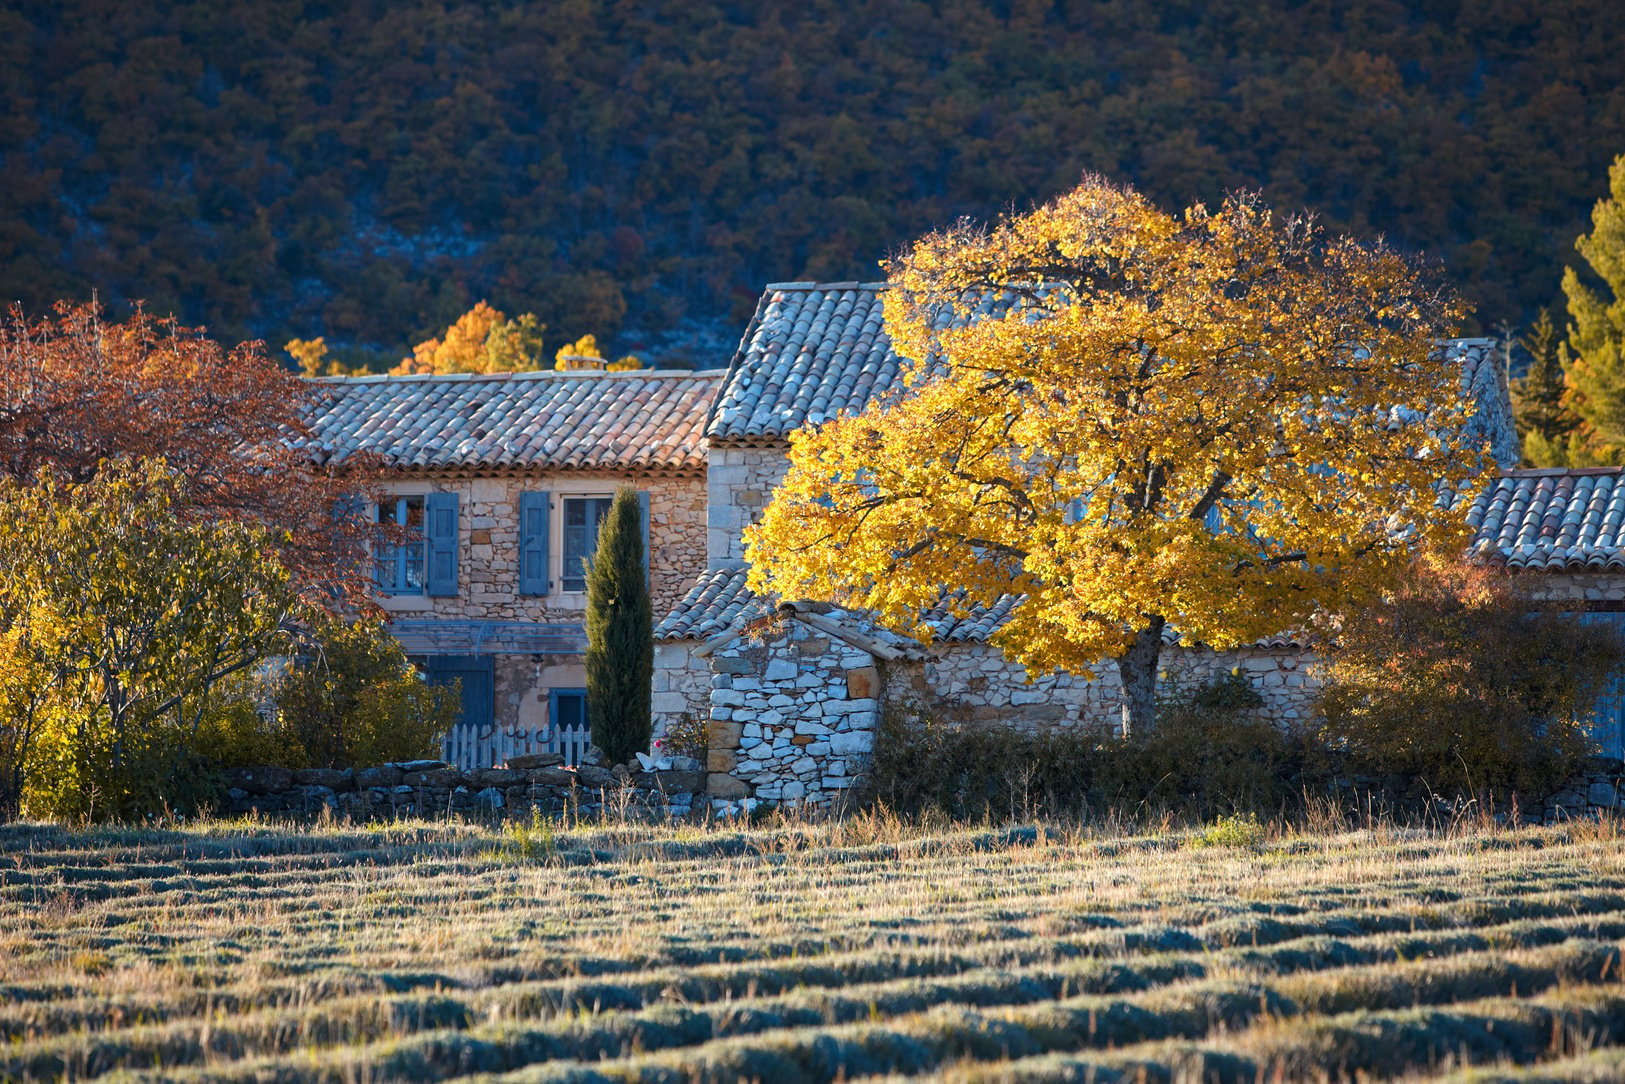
{"x":579,"y":363}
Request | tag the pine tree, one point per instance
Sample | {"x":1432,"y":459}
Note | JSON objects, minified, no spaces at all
{"x":620,"y":634}
{"x":1544,"y":419}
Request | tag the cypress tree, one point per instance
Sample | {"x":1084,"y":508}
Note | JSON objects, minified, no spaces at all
{"x":620,"y":634}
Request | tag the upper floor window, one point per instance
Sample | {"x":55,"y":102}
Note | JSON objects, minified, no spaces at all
{"x":401,"y":567}
{"x":422,"y":560}
{"x":582,"y":517}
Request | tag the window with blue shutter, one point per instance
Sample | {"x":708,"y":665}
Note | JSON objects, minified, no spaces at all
{"x":533,"y":548}
{"x":440,"y":534}
{"x":398,"y":568}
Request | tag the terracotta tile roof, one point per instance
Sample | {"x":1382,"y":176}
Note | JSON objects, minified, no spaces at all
{"x":811,"y":351}
{"x":643,"y":421}
{"x":719,"y":601}
{"x":815,"y":349}
{"x":1553,"y":520}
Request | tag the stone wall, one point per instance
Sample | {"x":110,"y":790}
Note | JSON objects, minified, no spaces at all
{"x":739,"y":482}
{"x":434,"y":788}
{"x":966,"y":682}
{"x":793,"y":710}
{"x":793,"y":715}
{"x":681,"y":685}
{"x":488,"y":556}
{"x":1586,"y":586}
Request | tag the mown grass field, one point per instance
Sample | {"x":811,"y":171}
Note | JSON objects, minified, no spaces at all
{"x":867,"y":949}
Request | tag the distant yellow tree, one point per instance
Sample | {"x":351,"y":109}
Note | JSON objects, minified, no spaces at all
{"x":1594,"y":357}
{"x":314,"y":360}
{"x":587,"y":347}
{"x":482,"y":340}
{"x":1220,"y":421}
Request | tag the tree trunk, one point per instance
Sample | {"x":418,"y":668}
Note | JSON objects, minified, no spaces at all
{"x":1137,"y":667}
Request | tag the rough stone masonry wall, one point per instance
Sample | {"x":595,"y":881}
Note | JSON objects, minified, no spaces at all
{"x":966,"y":682}
{"x":793,"y":716}
{"x":1579,"y":586}
{"x":793,"y":712}
{"x":488,"y":554}
{"x":739,"y":483}
{"x":680,"y":686}
{"x":432,"y":788}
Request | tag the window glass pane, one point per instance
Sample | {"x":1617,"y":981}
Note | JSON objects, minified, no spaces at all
{"x":401,"y":567}
{"x":582,"y":516}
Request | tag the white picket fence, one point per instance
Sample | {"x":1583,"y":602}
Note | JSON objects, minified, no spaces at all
{"x":470,"y":747}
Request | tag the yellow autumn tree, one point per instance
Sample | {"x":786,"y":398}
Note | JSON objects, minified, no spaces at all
{"x":1221,"y":422}
{"x":482,"y":340}
{"x":314,"y":359}
{"x":587,"y":347}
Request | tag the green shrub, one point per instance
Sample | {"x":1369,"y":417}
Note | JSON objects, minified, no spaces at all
{"x":1458,"y":678}
{"x":242,"y":728}
{"x":350,"y":699}
{"x":122,"y":610}
{"x":1212,"y":752}
{"x":1236,"y":830}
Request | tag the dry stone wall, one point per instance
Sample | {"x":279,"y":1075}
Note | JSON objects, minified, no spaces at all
{"x":793,"y":715}
{"x":432,"y":788}
{"x":794,"y":711}
{"x":1579,"y":586}
{"x":975,"y":682}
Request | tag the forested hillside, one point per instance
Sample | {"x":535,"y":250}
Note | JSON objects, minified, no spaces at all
{"x":638,"y":168}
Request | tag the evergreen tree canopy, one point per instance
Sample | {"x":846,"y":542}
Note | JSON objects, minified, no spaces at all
{"x":1596,"y":369}
{"x":620,"y":633}
{"x":1539,"y":397}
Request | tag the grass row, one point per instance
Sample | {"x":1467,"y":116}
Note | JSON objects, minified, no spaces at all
{"x":803,"y":952}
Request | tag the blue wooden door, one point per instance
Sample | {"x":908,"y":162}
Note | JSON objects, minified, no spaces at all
{"x":473,"y":741}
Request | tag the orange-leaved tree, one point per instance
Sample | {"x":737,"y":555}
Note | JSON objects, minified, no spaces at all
{"x":1220,"y":422}
{"x":77,"y":390}
{"x":482,"y":340}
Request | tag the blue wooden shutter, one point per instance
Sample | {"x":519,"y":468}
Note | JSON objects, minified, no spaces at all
{"x":533,"y":537}
{"x":440,"y":542}
{"x":643,"y":526}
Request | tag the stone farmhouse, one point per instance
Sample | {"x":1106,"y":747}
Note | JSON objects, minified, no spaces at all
{"x":506,"y":475}
{"x":503,"y":479}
